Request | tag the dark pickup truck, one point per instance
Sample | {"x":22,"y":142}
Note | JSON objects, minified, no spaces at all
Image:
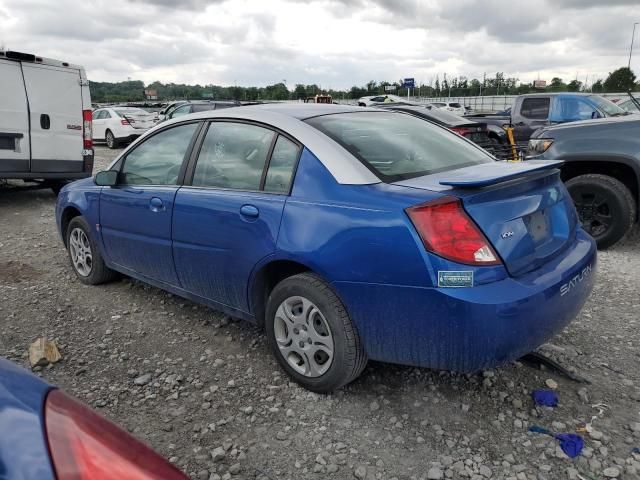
{"x":533,"y":111}
{"x":601,"y":171}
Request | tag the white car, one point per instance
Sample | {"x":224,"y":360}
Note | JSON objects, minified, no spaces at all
{"x":453,"y":107}
{"x":378,"y":99}
{"x":118,"y":125}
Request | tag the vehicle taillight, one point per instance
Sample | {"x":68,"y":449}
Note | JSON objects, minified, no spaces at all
{"x":87,"y":134}
{"x":124,"y":121}
{"x":461,"y":130}
{"x":446,"y":230}
{"x":85,"y":446}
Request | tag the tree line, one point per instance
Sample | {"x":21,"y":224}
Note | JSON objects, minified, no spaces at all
{"x":620,"y":80}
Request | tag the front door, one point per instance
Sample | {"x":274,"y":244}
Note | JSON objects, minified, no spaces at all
{"x":229,"y":218}
{"x":136,"y":215}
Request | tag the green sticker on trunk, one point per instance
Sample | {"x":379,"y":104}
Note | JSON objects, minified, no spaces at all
{"x":452,"y":279}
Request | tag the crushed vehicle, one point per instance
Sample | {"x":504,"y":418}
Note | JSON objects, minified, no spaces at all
{"x":345,"y":243}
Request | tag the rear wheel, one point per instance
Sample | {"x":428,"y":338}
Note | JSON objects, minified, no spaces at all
{"x":84,"y":255}
{"x":110,"y":139}
{"x":605,"y":206}
{"x":311,"y":334}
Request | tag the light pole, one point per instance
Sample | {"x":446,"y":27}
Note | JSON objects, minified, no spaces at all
{"x":631,"y":48}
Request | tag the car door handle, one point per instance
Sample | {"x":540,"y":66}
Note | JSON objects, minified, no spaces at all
{"x":156,"y":204}
{"x":249,"y":211}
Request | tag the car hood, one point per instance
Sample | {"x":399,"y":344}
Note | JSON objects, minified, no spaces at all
{"x":595,"y":123}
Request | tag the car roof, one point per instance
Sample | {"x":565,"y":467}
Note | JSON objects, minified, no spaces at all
{"x":345,"y":168}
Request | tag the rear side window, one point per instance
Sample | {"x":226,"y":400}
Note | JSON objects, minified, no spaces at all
{"x":157,"y":160}
{"x":233,"y":155}
{"x":396,"y":146}
{"x":535,"y":108}
{"x":281,"y":166}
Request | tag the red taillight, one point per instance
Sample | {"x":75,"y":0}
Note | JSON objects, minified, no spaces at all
{"x":461,"y":130}
{"x":124,"y":121}
{"x":85,"y":446}
{"x":87,"y":134}
{"x":446,"y":230}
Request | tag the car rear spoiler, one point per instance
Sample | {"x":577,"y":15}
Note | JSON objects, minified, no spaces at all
{"x":484,"y":175}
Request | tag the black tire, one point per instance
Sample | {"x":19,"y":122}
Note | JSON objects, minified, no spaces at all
{"x":110,"y":139}
{"x":605,"y":206}
{"x":349,"y":357}
{"x":98,"y":272}
{"x":56,"y":186}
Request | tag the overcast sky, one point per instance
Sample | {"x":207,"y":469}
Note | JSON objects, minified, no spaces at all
{"x":334,"y":43}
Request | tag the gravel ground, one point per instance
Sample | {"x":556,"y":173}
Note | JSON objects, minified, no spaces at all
{"x":205,"y":391}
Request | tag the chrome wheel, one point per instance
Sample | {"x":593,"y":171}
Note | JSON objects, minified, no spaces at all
{"x":303,"y":336}
{"x":80,"y":251}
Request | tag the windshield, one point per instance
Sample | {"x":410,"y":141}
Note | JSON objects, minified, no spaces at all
{"x":396,"y":146}
{"x":609,"y":108}
{"x":455,"y":105}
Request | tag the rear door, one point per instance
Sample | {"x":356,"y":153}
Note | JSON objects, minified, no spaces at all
{"x":135,"y":215}
{"x":229,"y":218}
{"x":55,"y":101}
{"x":14,"y":119}
{"x":533,"y":114}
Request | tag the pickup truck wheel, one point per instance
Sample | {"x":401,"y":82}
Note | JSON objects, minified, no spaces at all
{"x":311,"y":335}
{"x":605,"y":206}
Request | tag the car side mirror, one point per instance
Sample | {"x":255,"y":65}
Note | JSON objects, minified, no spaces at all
{"x":108,"y":178}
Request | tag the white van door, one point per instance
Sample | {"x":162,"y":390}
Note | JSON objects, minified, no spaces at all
{"x":55,"y":102}
{"x":14,"y":119}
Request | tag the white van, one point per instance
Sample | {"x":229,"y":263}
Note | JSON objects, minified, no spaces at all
{"x":45,"y":120}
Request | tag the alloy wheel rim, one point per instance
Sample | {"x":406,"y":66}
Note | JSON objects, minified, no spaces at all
{"x":109,"y":139}
{"x":304,"y":337}
{"x":80,"y":250}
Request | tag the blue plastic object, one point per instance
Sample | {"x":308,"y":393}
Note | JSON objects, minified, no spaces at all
{"x":203,"y":246}
{"x":570,"y":443}
{"x":545,"y":398}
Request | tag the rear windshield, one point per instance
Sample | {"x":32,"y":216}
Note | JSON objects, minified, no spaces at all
{"x":397,"y":146}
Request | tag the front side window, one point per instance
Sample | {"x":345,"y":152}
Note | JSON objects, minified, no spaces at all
{"x":571,"y":109}
{"x":281,"y":166}
{"x":233,"y":155}
{"x":397,"y":146}
{"x":157,"y":161}
{"x":535,"y":108}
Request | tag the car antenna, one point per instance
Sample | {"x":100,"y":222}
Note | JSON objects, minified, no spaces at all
{"x":634,"y":100}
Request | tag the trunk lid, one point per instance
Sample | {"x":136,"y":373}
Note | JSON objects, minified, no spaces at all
{"x":523,"y":209}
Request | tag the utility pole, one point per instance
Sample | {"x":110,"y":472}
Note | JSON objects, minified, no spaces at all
{"x":633,"y":35}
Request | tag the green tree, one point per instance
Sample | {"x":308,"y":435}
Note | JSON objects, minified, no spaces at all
{"x":557,"y":85}
{"x":620,"y":80}
{"x":597,"y":86}
{"x":574,"y":86}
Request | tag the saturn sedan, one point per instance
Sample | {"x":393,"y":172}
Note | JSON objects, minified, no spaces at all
{"x":349,"y":233}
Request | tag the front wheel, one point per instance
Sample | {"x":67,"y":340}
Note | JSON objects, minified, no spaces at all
{"x":605,"y":206}
{"x":84,"y":255}
{"x":311,"y":334}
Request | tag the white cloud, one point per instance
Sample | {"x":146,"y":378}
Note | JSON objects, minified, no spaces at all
{"x":335,"y":43}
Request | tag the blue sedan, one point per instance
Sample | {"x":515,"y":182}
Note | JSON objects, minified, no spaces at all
{"x":348,"y":233}
{"x":47,"y":435}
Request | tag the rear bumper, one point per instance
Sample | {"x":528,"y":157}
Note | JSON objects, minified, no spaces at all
{"x":469,"y":329}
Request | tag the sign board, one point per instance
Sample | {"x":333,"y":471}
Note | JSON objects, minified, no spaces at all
{"x":389,"y":88}
{"x":539,"y":84}
{"x":409,"y":83}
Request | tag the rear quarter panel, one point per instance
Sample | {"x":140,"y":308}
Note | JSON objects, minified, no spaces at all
{"x":24,"y":453}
